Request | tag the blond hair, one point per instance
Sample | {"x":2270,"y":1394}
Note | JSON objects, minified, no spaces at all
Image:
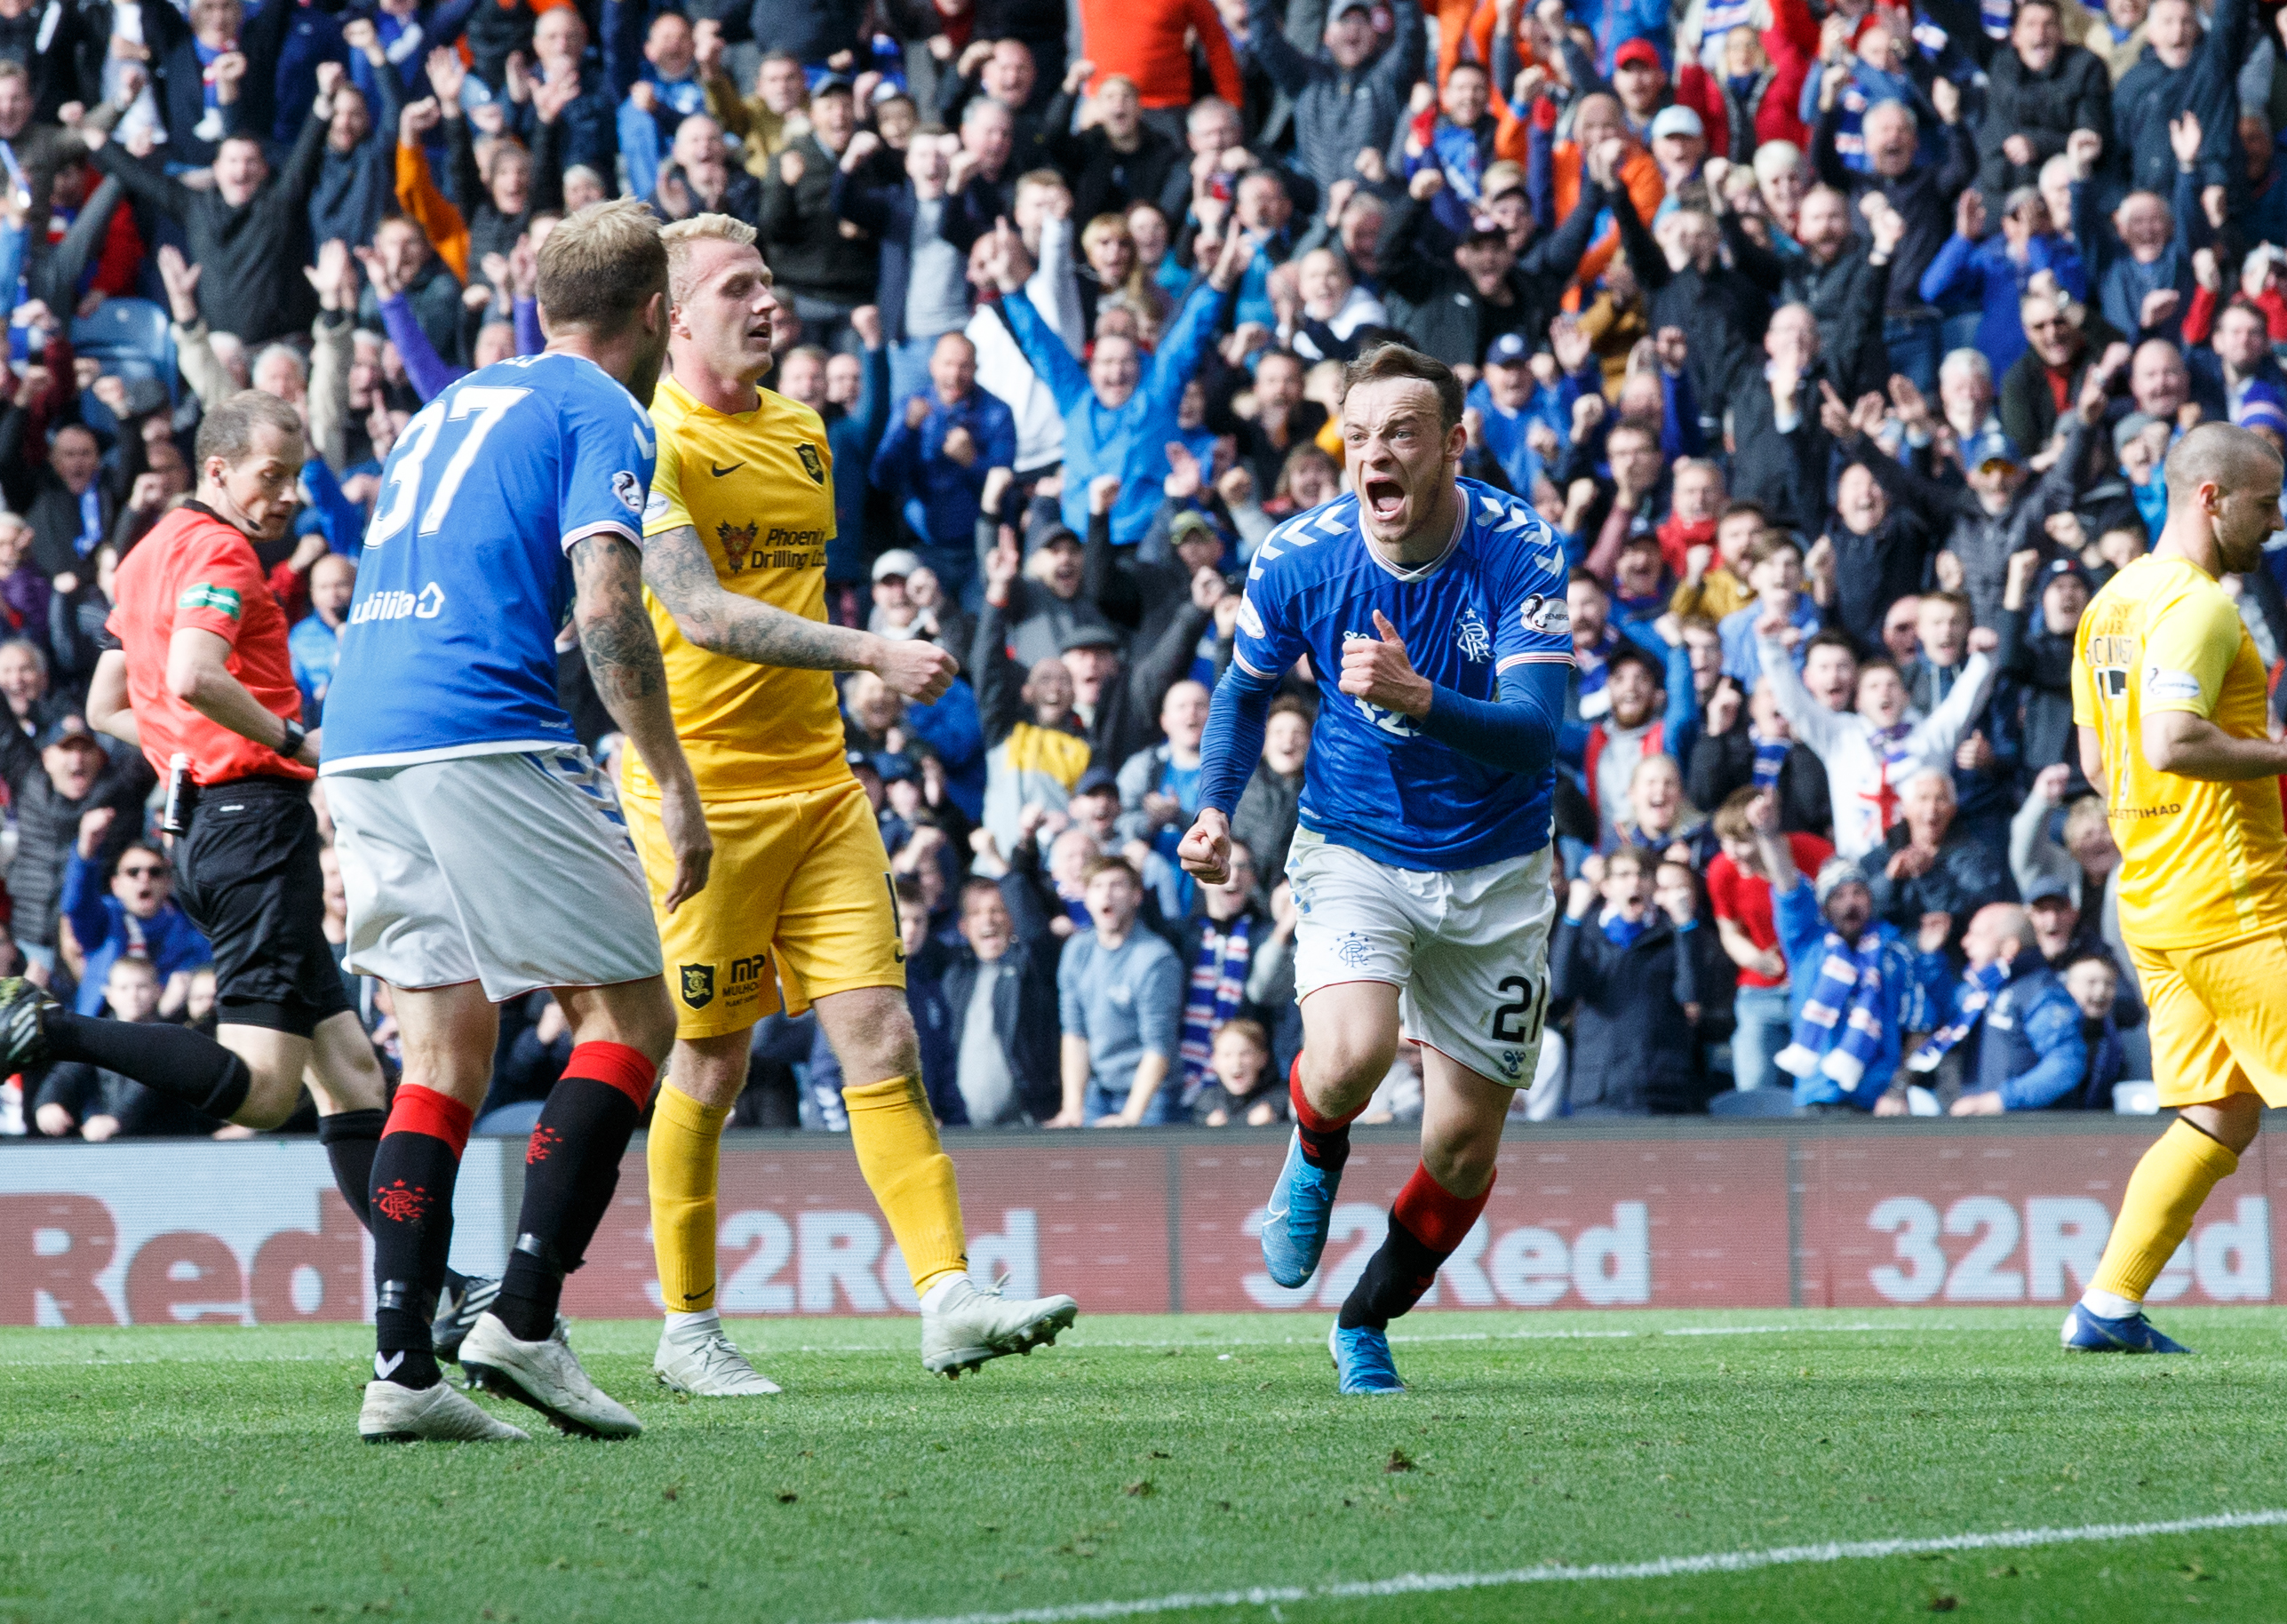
{"x":601,"y":267}
{"x":681,"y":237}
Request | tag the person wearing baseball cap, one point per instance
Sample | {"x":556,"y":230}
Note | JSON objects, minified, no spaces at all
{"x":1679,"y":144}
{"x":1500,"y":398}
{"x":1639,"y":78}
{"x":1486,"y":286}
{"x":1990,"y":452}
{"x":2042,"y":661}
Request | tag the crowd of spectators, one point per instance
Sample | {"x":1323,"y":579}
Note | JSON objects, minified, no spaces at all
{"x":1840,"y":341}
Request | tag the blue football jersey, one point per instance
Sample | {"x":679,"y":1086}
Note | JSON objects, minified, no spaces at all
{"x":1495,"y":600}
{"x":451,"y":645}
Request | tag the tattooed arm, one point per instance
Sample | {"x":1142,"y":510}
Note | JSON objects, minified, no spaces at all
{"x":678,"y":570}
{"x":623,"y":656}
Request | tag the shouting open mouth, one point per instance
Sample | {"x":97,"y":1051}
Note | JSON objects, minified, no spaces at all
{"x":1383,"y":496}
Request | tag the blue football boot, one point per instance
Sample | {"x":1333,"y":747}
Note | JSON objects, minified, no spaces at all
{"x":1362,"y":1360}
{"x":1300,"y":1210}
{"x":2087,"y":1333}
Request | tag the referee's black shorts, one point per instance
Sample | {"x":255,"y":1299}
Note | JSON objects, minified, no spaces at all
{"x":246,"y":872}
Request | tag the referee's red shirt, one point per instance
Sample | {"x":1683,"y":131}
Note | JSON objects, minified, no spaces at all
{"x":193,"y":570}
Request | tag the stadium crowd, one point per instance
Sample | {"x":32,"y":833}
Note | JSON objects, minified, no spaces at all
{"x":1840,"y":347}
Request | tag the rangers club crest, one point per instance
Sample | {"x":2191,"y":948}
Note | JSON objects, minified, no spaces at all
{"x":811,"y":466}
{"x":698,"y":984}
{"x":402,"y":1203}
{"x":1471,"y":636}
{"x":738,"y":541}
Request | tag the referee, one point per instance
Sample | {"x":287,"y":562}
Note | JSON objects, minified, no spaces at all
{"x":195,"y":672}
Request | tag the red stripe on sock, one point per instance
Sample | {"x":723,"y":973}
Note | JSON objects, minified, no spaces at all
{"x":1433,"y":1214}
{"x":616,"y":1066}
{"x":1317,"y":1122}
{"x":423,"y":1111}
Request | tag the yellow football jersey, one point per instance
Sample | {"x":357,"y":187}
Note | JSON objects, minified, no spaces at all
{"x":758,"y":489}
{"x":2202,"y":863}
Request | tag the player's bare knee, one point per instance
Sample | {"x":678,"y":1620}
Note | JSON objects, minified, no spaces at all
{"x":345,"y":1073}
{"x":894,"y":1051}
{"x":2233,"y":1121}
{"x":653,"y":1029}
{"x":637,"y":1014}
{"x":872,"y":1033}
{"x":711,"y":1070}
{"x":1464,"y":1165}
{"x":1348,"y":1068}
{"x":271,"y":1099}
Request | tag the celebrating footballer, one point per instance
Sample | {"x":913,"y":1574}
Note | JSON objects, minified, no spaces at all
{"x":1422,"y":867}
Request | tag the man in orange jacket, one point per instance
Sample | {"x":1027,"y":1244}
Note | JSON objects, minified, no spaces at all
{"x":1597,"y":119}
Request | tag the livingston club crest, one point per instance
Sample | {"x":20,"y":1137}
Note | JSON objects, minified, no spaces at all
{"x":698,"y":984}
{"x":811,"y":466}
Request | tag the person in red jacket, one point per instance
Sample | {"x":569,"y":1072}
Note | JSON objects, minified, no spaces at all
{"x":1754,"y":99}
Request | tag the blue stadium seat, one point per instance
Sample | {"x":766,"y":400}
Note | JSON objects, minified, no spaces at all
{"x":1755,"y":1102}
{"x":130,"y":336}
{"x":514,"y":1121}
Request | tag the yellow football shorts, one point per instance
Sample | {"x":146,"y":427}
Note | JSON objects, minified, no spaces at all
{"x":2218,"y":1021}
{"x":799,"y":896}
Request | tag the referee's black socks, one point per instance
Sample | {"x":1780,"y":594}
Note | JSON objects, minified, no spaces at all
{"x":171,"y":1059}
{"x":351,"y":1138}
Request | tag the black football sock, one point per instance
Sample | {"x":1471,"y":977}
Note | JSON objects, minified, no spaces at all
{"x":571,"y":1166}
{"x":351,"y":1138}
{"x":171,"y":1059}
{"x":414,"y":1170}
{"x":1427,"y":1223}
{"x":1399,"y":1271}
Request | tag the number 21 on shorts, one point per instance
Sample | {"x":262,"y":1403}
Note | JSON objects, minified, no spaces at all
{"x":1519,"y":1020}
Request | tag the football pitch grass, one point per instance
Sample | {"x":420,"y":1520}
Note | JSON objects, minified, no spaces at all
{"x":1150,"y":1468}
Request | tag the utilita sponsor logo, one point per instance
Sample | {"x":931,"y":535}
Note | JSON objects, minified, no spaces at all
{"x":2047,"y":1251}
{"x":426,"y":604}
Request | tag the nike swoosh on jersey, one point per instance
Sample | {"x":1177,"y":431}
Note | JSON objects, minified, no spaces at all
{"x":722,"y":473}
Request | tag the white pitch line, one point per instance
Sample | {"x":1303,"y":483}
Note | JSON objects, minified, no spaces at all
{"x":1082,"y":1342}
{"x":1664,"y":1567}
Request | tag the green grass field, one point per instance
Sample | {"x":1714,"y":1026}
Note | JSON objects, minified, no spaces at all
{"x":216,"y":1472}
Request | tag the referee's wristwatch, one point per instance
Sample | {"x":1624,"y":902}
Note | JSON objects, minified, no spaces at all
{"x":292,"y":749}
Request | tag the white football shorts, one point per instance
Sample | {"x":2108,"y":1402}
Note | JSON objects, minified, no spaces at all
{"x":512,"y":870}
{"x":1468,"y":951}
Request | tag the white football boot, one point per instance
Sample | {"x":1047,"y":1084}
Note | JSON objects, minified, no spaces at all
{"x":393,"y":1414}
{"x":962,"y":1326}
{"x":698,"y":1358}
{"x":545,"y":1375}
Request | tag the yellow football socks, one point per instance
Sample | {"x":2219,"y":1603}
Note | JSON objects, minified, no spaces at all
{"x":684,"y":1156}
{"x":895,"y":1136}
{"x":2163,"y":1196}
